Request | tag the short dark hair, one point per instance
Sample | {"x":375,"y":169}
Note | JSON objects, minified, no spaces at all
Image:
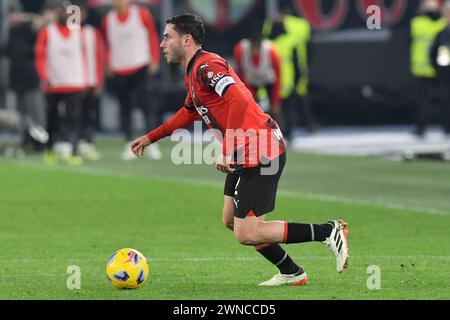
{"x":189,"y":23}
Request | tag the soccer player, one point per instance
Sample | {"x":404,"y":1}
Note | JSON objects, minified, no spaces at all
{"x":258,"y":65}
{"x":219,"y":97}
{"x":59,"y":63}
{"x":133,"y":55}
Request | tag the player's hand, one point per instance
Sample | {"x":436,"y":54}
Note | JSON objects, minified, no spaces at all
{"x":138,"y":145}
{"x":223,"y":164}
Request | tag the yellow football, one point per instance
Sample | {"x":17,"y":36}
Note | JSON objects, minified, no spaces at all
{"x":127,"y":269}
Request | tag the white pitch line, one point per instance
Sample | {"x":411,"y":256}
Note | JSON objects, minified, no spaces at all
{"x":310,"y":257}
{"x":255,"y":258}
{"x":207,"y":183}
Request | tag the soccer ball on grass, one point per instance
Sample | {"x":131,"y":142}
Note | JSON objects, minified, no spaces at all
{"x":127,"y":269}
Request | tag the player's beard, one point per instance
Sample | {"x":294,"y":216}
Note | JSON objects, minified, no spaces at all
{"x":177,"y":55}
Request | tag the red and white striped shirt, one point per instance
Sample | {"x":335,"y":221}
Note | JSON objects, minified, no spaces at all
{"x":94,"y":55}
{"x":59,"y":59}
{"x":132,"y":40}
{"x":69,"y":60}
{"x":267,"y":59}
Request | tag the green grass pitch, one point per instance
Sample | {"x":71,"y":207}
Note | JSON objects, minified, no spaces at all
{"x":54,"y":217}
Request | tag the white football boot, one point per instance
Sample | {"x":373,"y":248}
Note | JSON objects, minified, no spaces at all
{"x":337,"y":243}
{"x":297,"y":279}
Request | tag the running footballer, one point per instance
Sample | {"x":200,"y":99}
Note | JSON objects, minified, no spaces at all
{"x":253,"y":161}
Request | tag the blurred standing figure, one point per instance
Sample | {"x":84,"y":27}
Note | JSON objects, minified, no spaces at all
{"x":133,"y":53}
{"x":258,"y":66}
{"x":4,"y":26}
{"x":23,"y":78}
{"x":440,"y":58}
{"x":60,"y":65}
{"x":291,"y":37}
{"x":94,"y":53}
{"x":3,"y":23}
{"x":424,"y":29}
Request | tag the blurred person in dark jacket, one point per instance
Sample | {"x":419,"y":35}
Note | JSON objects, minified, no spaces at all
{"x":23,"y":77}
{"x":3,"y":24}
{"x":295,"y":100}
{"x":440,"y":58}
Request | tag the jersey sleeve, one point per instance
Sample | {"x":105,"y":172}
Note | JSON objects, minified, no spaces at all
{"x":41,"y":54}
{"x":104,"y":34}
{"x":182,"y":119}
{"x":188,"y":103}
{"x":100,"y":56}
{"x":214,"y":75}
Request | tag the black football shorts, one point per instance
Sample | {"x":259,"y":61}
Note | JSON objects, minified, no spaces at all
{"x":255,"y":189}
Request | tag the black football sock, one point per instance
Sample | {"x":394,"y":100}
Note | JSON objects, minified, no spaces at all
{"x":302,"y":232}
{"x":276,"y":254}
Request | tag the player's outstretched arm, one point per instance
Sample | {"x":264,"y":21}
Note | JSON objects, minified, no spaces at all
{"x":182,"y":119}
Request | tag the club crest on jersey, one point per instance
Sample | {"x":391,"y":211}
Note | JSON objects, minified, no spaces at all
{"x":210,"y":74}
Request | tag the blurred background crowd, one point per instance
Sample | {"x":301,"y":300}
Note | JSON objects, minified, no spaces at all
{"x":310,"y":63}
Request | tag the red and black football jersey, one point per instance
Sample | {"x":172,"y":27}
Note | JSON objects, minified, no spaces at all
{"x":216,"y":95}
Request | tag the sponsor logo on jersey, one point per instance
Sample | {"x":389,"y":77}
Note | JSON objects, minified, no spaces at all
{"x":203,"y":112}
{"x":215,"y":79}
